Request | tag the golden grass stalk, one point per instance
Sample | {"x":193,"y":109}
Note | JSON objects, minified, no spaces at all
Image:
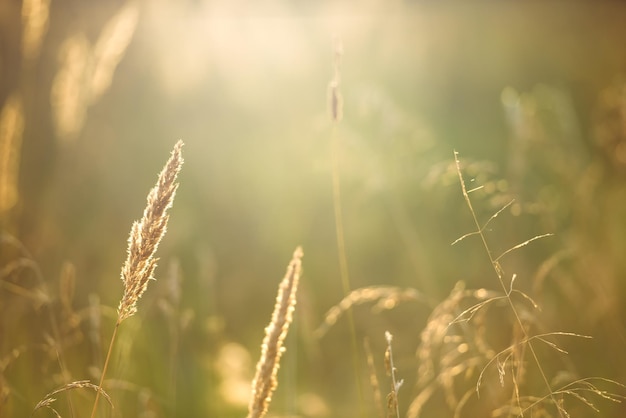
{"x":145,"y":236}
{"x":265,"y":381}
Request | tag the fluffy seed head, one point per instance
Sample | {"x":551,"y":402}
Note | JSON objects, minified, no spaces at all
{"x":146,"y":234}
{"x":265,"y":381}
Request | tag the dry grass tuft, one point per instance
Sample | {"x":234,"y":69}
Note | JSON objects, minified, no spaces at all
{"x":265,"y":381}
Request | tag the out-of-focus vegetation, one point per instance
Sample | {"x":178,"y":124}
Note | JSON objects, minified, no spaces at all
{"x":94,"y":95}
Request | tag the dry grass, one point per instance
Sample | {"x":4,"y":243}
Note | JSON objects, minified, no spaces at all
{"x":462,"y":355}
{"x":460,"y":364}
{"x":145,"y":236}
{"x":386,"y":297}
{"x":459,"y":346}
{"x":82,"y":384}
{"x":265,"y":380}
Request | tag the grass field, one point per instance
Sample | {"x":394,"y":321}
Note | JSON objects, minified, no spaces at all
{"x":441,"y":188}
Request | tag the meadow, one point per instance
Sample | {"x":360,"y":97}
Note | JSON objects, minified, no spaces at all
{"x":215,"y":209}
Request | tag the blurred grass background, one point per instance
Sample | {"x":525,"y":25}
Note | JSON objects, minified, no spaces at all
{"x":94,"y":95}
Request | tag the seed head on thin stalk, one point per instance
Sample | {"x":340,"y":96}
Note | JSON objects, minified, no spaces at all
{"x":265,"y":381}
{"x":145,"y":236}
{"x":334,"y":95}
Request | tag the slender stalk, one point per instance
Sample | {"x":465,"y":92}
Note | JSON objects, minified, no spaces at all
{"x":343,"y":259}
{"x":104,"y":369}
{"x":336,"y":113}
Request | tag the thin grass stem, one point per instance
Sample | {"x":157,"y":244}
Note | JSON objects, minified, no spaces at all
{"x":336,"y":113}
{"x":104,"y":369}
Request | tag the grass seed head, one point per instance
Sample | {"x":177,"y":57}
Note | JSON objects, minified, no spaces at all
{"x":146,"y":234}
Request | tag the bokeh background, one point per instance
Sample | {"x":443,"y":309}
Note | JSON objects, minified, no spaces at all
{"x":95,"y":94}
